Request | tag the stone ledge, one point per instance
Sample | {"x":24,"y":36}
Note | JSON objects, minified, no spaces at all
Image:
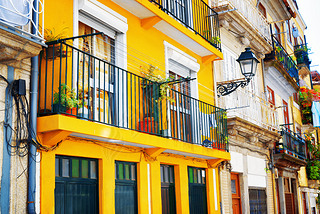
{"x":14,"y":48}
{"x":253,"y":132}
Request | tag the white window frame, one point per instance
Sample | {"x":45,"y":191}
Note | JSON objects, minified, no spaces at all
{"x":101,"y":18}
{"x":175,"y":54}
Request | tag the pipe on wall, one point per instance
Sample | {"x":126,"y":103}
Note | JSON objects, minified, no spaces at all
{"x":33,"y":118}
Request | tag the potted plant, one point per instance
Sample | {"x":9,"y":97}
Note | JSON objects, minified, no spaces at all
{"x":155,"y":89}
{"x":51,"y":36}
{"x":66,"y":100}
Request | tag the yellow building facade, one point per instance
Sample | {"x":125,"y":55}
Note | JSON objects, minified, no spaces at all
{"x":124,"y":136}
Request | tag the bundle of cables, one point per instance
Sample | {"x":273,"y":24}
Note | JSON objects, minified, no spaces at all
{"x":21,"y":135}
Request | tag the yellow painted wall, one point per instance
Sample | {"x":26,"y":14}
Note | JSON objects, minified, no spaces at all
{"x":148,"y":42}
{"x":107,"y":154}
{"x":59,"y":16}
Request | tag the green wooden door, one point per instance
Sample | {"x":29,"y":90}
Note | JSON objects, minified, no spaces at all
{"x":197,"y":190}
{"x":76,"y":185}
{"x":126,"y":188}
{"x":168,"y":189}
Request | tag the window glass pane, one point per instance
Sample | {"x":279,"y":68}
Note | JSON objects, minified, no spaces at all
{"x":166,"y":174}
{"x":161,"y":172}
{"x":127,"y":171}
{"x":190,"y":175}
{"x":75,"y":168}
{"x":93,"y":169}
{"x":57,"y":167}
{"x":85,"y":169}
{"x":133,"y":172}
{"x":65,"y":168}
{"x":171,"y":174}
{"x":233,"y":187}
{"x":120,"y":171}
{"x":195,"y":177}
{"x":203,"y":176}
{"x":199,"y":176}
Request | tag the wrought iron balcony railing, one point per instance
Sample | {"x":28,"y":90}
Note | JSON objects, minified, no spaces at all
{"x":101,"y":92}
{"x":301,"y":53}
{"x":280,"y":54}
{"x":250,"y":13}
{"x":195,"y":15}
{"x":250,"y":107}
{"x":292,"y":144}
{"x":21,"y":17}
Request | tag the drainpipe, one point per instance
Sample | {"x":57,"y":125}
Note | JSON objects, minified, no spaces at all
{"x":33,"y":118}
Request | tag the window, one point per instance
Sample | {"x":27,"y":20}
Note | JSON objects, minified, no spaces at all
{"x":258,"y":201}
{"x":76,"y":180}
{"x":126,"y":188}
{"x":97,"y":79}
{"x":289,"y":38}
{"x":296,"y":97}
{"x":231,"y":69}
{"x":286,"y":114}
{"x":168,"y":189}
{"x":262,"y":9}
{"x":270,"y":95}
{"x":197,"y":190}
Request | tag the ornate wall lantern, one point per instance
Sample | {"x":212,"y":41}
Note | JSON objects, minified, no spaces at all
{"x":248,"y":64}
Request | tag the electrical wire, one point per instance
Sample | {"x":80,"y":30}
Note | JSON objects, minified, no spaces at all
{"x":20,"y":135}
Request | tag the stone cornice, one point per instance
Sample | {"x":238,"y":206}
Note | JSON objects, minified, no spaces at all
{"x":251,"y":131}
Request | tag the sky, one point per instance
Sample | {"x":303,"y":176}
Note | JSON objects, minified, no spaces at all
{"x":310,"y":12}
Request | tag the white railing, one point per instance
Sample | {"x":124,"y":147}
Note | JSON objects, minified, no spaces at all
{"x":19,"y":16}
{"x":251,"y":108}
{"x":250,"y":13}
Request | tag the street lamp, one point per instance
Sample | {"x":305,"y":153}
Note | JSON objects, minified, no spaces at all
{"x":248,"y":64}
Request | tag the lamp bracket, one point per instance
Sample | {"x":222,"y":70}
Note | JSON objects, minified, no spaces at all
{"x":227,"y":87}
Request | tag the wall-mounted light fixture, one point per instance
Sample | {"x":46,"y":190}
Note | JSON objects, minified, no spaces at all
{"x":248,"y":64}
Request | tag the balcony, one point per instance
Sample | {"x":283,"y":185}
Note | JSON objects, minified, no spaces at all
{"x":283,"y":62}
{"x":109,"y":95}
{"x":291,"y":149}
{"x":192,"y":23}
{"x":20,"y":37}
{"x":243,"y":16}
{"x":250,"y":115}
{"x":302,"y":56}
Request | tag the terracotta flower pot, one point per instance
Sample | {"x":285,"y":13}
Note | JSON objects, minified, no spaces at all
{"x":71,"y":111}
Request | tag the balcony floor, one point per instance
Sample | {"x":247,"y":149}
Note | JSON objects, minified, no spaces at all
{"x":146,"y":11}
{"x":55,"y":128}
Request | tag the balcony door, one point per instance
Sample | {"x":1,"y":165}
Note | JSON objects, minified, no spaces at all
{"x":97,"y":75}
{"x":180,"y":112}
{"x":236,"y":195}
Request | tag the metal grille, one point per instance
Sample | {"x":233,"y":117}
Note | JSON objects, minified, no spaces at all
{"x":110,"y":95}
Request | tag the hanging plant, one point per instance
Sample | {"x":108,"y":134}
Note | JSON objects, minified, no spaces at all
{"x":306,"y":97}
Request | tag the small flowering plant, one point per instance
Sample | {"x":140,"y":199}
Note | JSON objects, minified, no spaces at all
{"x":306,"y":97}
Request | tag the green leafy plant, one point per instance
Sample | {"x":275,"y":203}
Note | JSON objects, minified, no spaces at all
{"x":313,"y":168}
{"x":278,"y":48}
{"x":214,"y":39}
{"x":313,"y":163}
{"x":67,"y":97}
{"x":281,"y":59}
{"x":51,"y":34}
{"x":163,"y":83}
